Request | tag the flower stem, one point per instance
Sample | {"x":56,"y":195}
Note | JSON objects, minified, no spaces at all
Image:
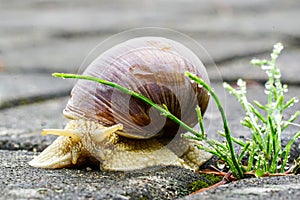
{"x":225,"y":124}
{"x":165,"y":112}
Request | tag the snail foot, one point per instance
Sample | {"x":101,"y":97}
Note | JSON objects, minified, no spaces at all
{"x":195,"y":157}
{"x":63,"y":152}
{"x":129,"y":155}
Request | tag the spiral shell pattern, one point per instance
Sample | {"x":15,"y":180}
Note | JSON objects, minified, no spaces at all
{"x":151,"y":66}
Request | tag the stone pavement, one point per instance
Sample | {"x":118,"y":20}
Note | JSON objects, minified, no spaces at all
{"x":41,"y":37}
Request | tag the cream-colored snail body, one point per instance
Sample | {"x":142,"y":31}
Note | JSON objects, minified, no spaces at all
{"x":122,"y":132}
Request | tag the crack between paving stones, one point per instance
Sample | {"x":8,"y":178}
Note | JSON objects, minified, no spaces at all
{"x":238,"y":57}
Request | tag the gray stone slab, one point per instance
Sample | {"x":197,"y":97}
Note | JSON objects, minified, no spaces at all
{"x":49,"y":56}
{"x":18,"y":180}
{"x":288,"y":63}
{"x":20,"y":88}
{"x":69,"y":55}
{"x":225,"y":48}
{"x":47,"y":36}
{"x":20,"y":127}
{"x":267,"y":22}
{"x":275,"y":188}
{"x":232,"y":16}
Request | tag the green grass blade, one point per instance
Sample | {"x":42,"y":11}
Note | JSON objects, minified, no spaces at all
{"x":236,"y":165}
{"x":200,"y":119}
{"x":245,"y":149}
{"x":134,"y":94}
{"x":287,"y":150}
{"x":290,"y":121}
{"x":289,"y":103}
{"x":259,"y":105}
{"x":257,"y":114}
{"x":235,"y":140}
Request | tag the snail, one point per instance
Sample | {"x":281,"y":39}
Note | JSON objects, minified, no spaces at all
{"x":121,"y":132}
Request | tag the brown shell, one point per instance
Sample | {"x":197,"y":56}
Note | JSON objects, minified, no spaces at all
{"x":151,"y":66}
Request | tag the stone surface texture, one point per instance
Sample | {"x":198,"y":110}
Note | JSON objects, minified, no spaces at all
{"x":38,"y":38}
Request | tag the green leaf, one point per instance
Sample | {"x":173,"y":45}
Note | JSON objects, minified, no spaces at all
{"x":287,"y":150}
{"x":259,"y":105}
{"x":289,"y":103}
{"x":259,"y":173}
{"x":200,"y":119}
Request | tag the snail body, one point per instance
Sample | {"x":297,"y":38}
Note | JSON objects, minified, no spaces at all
{"x":122,"y":132}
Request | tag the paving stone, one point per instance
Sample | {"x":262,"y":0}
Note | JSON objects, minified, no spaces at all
{"x":20,"y":127}
{"x":20,"y":88}
{"x":18,"y":180}
{"x":268,"y":22}
{"x":277,"y":188}
{"x":222,"y":49}
{"x":288,"y":63}
{"x":38,"y":34}
{"x":69,"y":55}
{"x":51,"y":57}
{"x":191,"y":15}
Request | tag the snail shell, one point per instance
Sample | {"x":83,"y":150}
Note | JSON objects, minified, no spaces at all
{"x":153,"y":67}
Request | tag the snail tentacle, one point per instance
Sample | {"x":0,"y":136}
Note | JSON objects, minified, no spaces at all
{"x":101,"y":134}
{"x":65,"y":151}
{"x":75,"y":135}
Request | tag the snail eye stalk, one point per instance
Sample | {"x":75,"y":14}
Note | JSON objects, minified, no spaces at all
{"x":100,"y":134}
{"x":74,"y":135}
